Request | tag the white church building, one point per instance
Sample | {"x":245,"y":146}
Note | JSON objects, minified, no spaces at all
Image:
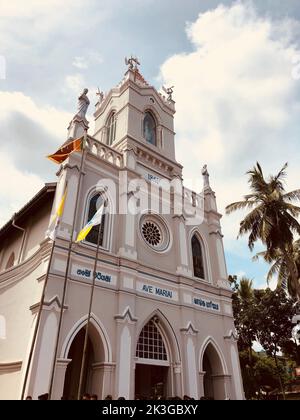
{"x":161,"y":320}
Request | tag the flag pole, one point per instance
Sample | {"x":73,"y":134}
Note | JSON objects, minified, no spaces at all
{"x":67,"y":267}
{"x":86,"y":336}
{"x":37,"y":324}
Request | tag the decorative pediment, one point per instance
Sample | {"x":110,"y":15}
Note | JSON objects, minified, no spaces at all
{"x":52,"y":304}
{"x":127,"y":316}
{"x":189,"y":329}
{"x":232,"y":335}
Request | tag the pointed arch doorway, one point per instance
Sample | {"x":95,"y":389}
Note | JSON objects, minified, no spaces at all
{"x":152,"y":370}
{"x":214,"y":375}
{"x":92,"y":373}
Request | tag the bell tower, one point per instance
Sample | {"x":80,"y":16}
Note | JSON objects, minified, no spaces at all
{"x":137,"y":120}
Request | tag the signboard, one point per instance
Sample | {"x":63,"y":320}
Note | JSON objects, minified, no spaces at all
{"x":157,"y":291}
{"x":152,"y":178}
{"x":86,"y":273}
{"x":206,"y":304}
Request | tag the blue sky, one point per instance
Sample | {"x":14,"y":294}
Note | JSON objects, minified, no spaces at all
{"x":234,"y":66}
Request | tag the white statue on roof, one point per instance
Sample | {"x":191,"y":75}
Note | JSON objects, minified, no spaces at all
{"x":132,"y":63}
{"x":83,"y":104}
{"x":169,"y":91}
{"x":100,"y":95}
{"x":205,"y":175}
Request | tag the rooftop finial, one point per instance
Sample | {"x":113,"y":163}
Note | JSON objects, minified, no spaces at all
{"x":169,"y":91}
{"x":205,"y":175}
{"x":132,"y":63}
{"x":100,"y":95}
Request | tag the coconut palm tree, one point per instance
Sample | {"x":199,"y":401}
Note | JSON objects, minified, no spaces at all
{"x":281,"y":268}
{"x":272,"y":218}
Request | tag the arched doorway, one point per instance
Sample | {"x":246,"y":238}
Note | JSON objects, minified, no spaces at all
{"x":152,"y":370}
{"x":73,"y":369}
{"x":93,"y":369}
{"x":214,"y":378}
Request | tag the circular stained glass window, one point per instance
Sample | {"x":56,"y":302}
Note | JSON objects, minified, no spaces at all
{"x":155,"y":232}
{"x":151,"y":233}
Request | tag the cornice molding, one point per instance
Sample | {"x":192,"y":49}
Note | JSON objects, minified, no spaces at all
{"x":19,"y":272}
{"x":9,"y":367}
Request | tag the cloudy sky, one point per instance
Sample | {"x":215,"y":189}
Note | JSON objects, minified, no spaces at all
{"x":235,"y":67}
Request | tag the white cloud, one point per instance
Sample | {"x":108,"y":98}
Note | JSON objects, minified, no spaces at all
{"x":80,"y":63}
{"x":16,"y":188}
{"x":75,"y":82}
{"x":241,"y":274}
{"x":84,"y":62}
{"x":19,"y":8}
{"x":236,"y":101}
{"x":55,"y":121}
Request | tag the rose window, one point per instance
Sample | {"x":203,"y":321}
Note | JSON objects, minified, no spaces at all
{"x":151,"y":233}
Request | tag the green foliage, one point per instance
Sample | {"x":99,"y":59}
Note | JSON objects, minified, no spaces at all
{"x":264,"y":316}
{"x":273,"y":221}
{"x":262,"y":378}
{"x":275,"y":313}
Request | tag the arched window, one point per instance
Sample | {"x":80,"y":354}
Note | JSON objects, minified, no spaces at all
{"x":197,"y":258}
{"x":94,"y":205}
{"x":151,"y":344}
{"x":111,"y":129}
{"x":149,"y":128}
{"x":11,"y":261}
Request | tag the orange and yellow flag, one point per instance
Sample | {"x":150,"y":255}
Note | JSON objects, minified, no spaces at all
{"x":66,"y":149}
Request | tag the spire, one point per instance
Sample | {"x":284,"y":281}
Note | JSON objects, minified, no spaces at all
{"x":79,"y":124}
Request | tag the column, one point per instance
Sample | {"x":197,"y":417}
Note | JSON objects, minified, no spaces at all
{"x":44,"y":351}
{"x":201,"y":384}
{"x":59,"y":380}
{"x":102,"y":380}
{"x":190,"y":367}
{"x":124,"y":382}
{"x":177,"y":381}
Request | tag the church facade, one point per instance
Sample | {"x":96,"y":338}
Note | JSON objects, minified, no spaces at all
{"x":160,"y":320}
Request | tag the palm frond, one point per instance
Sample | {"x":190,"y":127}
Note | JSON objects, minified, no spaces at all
{"x":240,"y":205}
{"x":292,"y":195}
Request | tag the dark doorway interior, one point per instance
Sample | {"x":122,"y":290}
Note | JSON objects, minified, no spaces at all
{"x":208,"y":381}
{"x":73,"y":370}
{"x":150,"y":381}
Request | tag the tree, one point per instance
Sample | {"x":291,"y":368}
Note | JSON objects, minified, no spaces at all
{"x":272,"y":218}
{"x":266,"y":374}
{"x":281,"y":268}
{"x":274,"y":324}
{"x":244,"y":312}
